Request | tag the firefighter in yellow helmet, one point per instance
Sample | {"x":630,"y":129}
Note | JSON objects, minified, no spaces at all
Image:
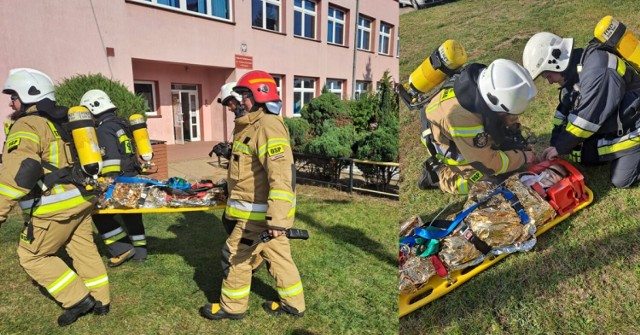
{"x":59,"y":213}
{"x":262,"y":198}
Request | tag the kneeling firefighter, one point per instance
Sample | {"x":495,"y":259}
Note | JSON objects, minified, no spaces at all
{"x":34,"y":174}
{"x":120,"y":159}
{"x":470,"y":126}
{"x":261,"y":183}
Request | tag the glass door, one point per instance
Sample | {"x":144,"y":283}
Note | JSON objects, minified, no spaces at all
{"x":188,"y":111}
{"x":178,"y":122}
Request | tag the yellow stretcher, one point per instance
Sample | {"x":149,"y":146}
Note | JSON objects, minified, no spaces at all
{"x":158,"y":210}
{"x":437,"y":286}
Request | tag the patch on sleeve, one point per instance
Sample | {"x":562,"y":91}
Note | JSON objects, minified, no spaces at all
{"x":103,"y":151}
{"x":476,"y":176}
{"x":13,"y":144}
{"x":481,"y":140}
{"x":276,"y":151}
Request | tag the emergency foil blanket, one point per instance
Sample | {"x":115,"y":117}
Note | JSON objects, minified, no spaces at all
{"x":497,"y":224}
{"x":414,"y":272}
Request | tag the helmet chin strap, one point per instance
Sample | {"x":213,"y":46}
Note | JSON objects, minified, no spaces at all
{"x":240,"y":111}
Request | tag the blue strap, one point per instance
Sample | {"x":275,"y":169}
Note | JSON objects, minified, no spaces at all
{"x":109,"y":192}
{"x":509,"y":196}
{"x":138,"y":180}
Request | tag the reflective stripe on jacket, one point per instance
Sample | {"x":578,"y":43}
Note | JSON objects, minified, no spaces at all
{"x":35,"y":140}
{"x":261,"y":177}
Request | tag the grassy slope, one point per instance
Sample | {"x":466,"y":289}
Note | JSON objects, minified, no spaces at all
{"x":348,"y":268}
{"x":583,"y":275}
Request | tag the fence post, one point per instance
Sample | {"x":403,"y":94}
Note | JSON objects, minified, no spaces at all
{"x":350,"y":175}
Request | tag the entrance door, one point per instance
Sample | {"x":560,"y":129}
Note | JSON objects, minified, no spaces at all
{"x":189,"y":111}
{"x":178,"y":121}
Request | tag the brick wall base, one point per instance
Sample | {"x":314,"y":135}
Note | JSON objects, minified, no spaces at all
{"x":161,"y":161}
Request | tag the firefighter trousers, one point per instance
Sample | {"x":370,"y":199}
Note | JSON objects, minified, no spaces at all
{"x":228,"y":226}
{"x":64,"y":284}
{"x":625,"y":171}
{"x":243,"y":248}
{"x":120,"y":238}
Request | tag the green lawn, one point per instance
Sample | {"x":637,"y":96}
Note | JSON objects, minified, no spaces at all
{"x":348,"y":268}
{"x":583,"y":276}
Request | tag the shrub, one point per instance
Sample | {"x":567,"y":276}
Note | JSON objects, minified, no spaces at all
{"x":380,"y":145}
{"x":69,"y":92}
{"x":299,"y":131}
{"x":325,"y":107}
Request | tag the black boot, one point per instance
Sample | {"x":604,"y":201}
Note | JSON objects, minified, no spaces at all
{"x":277,"y":308}
{"x":215,"y":312}
{"x":72,"y":313}
{"x":100,"y":309}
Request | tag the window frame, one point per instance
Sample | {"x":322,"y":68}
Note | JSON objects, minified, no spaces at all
{"x":358,"y":92}
{"x":364,"y":29}
{"x":152,"y":111}
{"x":333,"y":20}
{"x":331,"y":89}
{"x":386,"y":36}
{"x":263,"y":26}
{"x":182,"y":8}
{"x":303,"y":14}
{"x":301,"y":91}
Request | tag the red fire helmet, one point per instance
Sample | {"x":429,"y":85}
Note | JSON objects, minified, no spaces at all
{"x":261,"y":84}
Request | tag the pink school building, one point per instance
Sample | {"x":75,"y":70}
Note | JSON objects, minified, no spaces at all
{"x":177,"y":53}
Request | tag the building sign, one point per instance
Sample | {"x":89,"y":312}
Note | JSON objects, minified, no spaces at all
{"x":244,"y":62}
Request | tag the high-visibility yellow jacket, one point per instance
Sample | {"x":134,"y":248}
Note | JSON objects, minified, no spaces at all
{"x":261,"y":178}
{"x":463,"y":144}
{"x":32,"y":140}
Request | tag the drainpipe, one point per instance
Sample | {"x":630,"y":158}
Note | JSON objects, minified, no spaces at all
{"x":355,"y":52}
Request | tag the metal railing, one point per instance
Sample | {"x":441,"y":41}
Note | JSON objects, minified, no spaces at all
{"x":352,"y":174}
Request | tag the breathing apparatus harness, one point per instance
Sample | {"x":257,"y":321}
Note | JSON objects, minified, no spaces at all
{"x":72,"y":174}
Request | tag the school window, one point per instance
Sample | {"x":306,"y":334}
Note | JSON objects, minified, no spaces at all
{"x":278,"y":79}
{"x":364,"y":33}
{"x":304,"y":89}
{"x":384,"y":39}
{"x":304,"y":18}
{"x":335,"y":86}
{"x":147,"y":89}
{"x":216,"y":8}
{"x":362,"y":87}
{"x":335,"y":26}
{"x":266,"y":14}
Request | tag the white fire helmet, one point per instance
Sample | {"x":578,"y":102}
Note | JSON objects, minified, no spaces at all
{"x":506,"y":87}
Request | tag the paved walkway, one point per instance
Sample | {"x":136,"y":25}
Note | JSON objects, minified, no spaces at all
{"x":192,"y":162}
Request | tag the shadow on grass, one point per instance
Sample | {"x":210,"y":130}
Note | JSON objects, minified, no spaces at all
{"x":540,"y":276}
{"x":350,"y":235}
{"x":199,"y":238}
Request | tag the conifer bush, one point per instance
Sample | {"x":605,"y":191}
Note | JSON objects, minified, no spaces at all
{"x":70,"y":90}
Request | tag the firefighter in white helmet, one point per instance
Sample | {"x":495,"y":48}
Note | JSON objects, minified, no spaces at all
{"x":598,"y":117}
{"x":471,"y":123}
{"x":262,"y":198}
{"x":59,"y":213}
{"x":126,"y":241}
{"x":231,"y":100}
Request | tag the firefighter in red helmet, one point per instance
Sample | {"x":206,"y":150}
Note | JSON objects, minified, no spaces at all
{"x":261,"y":185}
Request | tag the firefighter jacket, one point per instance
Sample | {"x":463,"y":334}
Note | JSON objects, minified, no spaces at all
{"x":568,"y":94}
{"x":460,"y":137}
{"x":606,"y":106}
{"x":32,"y":140}
{"x":261,"y":178}
{"x":116,"y":146}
